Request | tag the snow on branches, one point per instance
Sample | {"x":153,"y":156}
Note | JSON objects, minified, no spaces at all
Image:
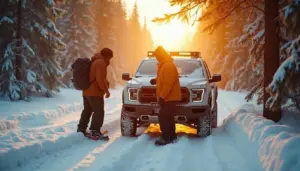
{"x":285,"y":84}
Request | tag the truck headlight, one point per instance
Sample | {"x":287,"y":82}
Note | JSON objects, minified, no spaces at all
{"x":133,"y":94}
{"x":197,"y":95}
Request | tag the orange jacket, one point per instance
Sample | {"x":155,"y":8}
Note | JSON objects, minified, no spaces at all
{"x":167,"y":80}
{"x":98,"y":72}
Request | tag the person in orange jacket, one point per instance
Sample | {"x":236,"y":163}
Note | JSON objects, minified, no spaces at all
{"x":93,"y":101}
{"x":168,"y":93}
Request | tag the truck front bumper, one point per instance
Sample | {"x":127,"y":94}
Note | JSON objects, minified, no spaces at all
{"x":182,"y":114}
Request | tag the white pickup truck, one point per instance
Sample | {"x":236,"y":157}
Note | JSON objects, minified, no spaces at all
{"x":197,"y":108}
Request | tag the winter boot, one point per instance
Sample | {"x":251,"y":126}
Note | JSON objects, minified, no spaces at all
{"x":83,"y":131}
{"x":96,"y":135}
{"x":174,"y":138}
{"x":162,"y":141}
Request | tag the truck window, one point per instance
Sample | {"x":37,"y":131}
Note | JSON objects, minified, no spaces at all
{"x":186,"y":68}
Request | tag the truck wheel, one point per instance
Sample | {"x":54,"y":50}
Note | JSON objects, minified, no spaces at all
{"x":204,"y":126}
{"x":214,"y":117}
{"x":128,"y":125}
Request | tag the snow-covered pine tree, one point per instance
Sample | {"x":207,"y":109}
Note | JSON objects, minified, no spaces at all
{"x":10,"y":84}
{"x":286,"y":85}
{"x":48,"y":45}
{"x":254,"y":31}
{"x":247,"y":65}
{"x":120,"y":45}
{"x":40,"y":42}
{"x":79,"y":35}
{"x":106,"y":28}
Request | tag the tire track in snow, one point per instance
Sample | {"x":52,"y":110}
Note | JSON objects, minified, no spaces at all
{"x":78,"y":153}
{"x":163,"y":157}
{"x":42,"y":141}
{"x":225,"y":149}
{"x":121,"y":154}
{"x":199,"y":155}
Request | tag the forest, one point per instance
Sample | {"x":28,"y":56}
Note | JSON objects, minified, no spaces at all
{"x":41,"y":38}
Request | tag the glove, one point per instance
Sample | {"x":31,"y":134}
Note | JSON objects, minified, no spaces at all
{"x":153,"y":81}
{"x":161,"y":101}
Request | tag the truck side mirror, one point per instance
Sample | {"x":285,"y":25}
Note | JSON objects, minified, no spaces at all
{"x":126,"y":77}
{"x":215,"y":78}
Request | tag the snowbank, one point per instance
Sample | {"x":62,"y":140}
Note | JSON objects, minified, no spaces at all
{"x":40,"y":133}
{"x":39,"y":111}
{"x":269,"y":146}
{"x":30,"y":119}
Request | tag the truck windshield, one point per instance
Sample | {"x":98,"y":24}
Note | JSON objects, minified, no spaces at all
{"x":186,"y":68}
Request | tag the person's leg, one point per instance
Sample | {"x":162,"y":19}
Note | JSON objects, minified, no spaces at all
{"x":170,"y":109}
{"x":85,"y":115}
{"x":164,"y":121}
{"x":97,"y":104}
{"x":172,"y":121}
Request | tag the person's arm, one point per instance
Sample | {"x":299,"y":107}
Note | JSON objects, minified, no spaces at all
{"x":153,"y":81}
{"x":100,"y":76}
{"x":169,"y":77}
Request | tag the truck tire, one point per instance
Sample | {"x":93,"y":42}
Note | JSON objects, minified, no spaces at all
{"x":204,"y":126}
{"x":128,"y":125}
{"x":214,"y":116}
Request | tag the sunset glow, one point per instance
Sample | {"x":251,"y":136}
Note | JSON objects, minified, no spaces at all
{"x":172,"y":35}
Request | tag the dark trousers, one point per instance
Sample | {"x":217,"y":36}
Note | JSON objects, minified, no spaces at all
{"x":95,"y":105}
{"x":166,"y":119}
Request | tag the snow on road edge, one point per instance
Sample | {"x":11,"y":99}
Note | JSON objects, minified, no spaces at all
{"x":42,"y":111}
{"x":64,"y":137}
{"x":38,"y":118}
{"x":267,"y":145}
{"x":31,"y":135}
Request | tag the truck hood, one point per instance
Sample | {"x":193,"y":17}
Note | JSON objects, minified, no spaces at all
{"x":184,"y":82}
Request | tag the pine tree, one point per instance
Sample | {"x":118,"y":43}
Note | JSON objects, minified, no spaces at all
{"x":271,"y":55}
{"x":113,"y":32}
{"x":119,"y":62}
{"x":147,"y":44}
{"x":135,"y":38}
{"x":48,"y":45}
{"x":79,"y":35}
{"x":39,"y":40}
{"x":15,"y":51}
{"x":285,"y":85}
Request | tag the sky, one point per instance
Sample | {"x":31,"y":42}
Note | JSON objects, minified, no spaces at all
{"x":172,"y":35}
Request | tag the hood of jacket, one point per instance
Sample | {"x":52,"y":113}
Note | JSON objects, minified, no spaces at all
{"x":162,"y":55}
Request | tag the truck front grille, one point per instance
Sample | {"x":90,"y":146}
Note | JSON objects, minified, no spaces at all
{"x":148,"y":95}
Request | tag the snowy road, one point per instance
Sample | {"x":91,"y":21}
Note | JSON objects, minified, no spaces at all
{"x":72,"y":152}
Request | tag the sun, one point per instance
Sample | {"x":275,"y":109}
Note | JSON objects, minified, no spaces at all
{"x":173,"y":35}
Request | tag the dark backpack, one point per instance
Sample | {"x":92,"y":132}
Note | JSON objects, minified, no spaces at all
{"x":81,"y":73}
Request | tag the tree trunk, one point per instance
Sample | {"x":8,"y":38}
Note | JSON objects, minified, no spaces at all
{"x":18,"y":67}
{"x":19,"y":43}
{"x":271,"y":56}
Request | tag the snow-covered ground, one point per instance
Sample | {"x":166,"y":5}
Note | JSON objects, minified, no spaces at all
{"x":44,"y":137}
{"x":39,"y":111}
{"x":268,"y":145}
